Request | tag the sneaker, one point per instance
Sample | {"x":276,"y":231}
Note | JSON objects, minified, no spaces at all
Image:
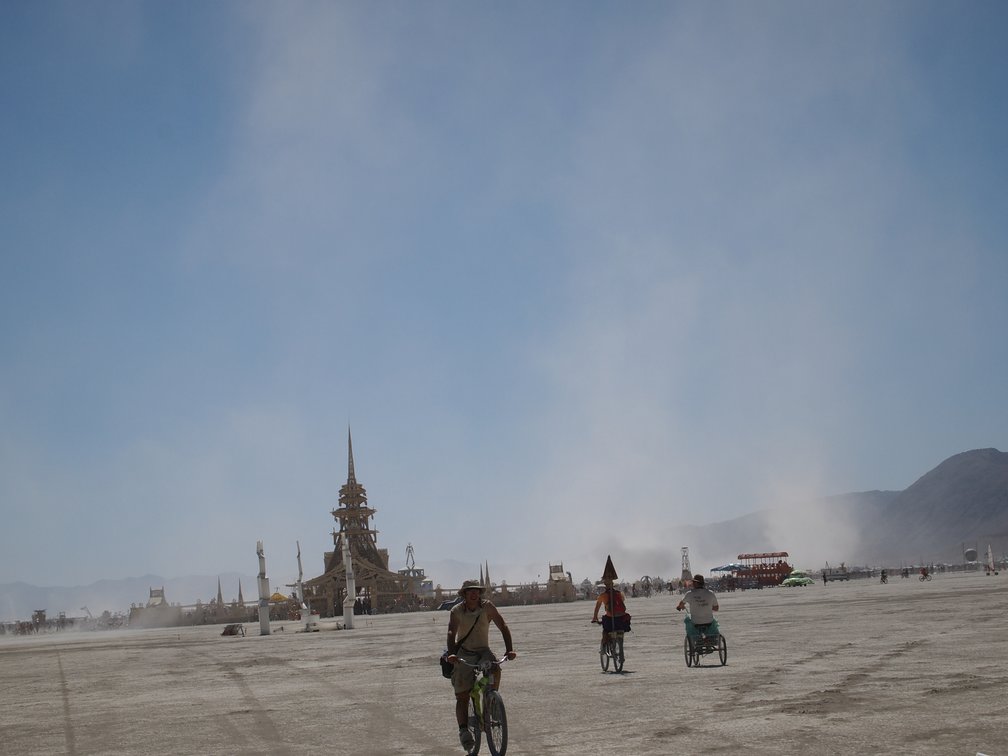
{"x":466,"y":739}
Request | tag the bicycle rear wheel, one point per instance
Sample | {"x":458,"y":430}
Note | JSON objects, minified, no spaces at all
{"x":475,"y":727}
{"x":617,"y":649}
{"x":688,"y":650}
{"x":604,"y":654}
{"x":495,"y":723}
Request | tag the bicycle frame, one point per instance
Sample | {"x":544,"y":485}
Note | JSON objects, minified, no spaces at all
{"x":482,"y":680}
{"x":476,"y":694}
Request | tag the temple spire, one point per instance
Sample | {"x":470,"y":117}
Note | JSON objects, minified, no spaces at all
{"x":351,"y":478}
{"x":220,"y":596}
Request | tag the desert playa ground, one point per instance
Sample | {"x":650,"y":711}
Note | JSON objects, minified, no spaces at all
{"x":848,"y":668}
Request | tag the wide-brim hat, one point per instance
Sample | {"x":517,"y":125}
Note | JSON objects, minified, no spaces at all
{"x":469,"y":584}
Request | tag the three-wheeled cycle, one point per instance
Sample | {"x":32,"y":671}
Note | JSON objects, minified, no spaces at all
{"x":701,"y":640}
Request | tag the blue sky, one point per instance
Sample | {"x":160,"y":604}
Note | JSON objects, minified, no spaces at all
{"x":574,"y":273}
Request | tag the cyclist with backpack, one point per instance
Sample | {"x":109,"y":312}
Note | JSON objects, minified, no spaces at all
{"x":611,"y":599}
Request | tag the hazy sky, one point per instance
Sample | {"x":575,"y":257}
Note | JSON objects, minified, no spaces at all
{"x":574,"y":273}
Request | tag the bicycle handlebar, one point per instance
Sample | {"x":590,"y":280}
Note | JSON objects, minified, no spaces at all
{"x":483,"y":665}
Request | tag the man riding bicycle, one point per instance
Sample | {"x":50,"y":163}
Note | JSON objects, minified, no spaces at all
{"x":469,"y":639}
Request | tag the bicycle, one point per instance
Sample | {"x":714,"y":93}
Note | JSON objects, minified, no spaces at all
{"x":925,"y":576}
{"x":486,"y":709}
{"x":611,"y":650}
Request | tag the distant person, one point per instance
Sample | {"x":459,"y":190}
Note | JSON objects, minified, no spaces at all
{"x":884,"y":577}
{"x":702,"y":605}
{"x":824,"y":577}
{"x":615,"y":607}
{"x":469,"y":639}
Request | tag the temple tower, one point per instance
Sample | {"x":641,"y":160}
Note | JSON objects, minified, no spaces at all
{"x":378,"y":589}
{"x":355,"y":520}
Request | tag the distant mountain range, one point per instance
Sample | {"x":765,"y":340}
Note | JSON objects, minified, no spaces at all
{"x":961,"y":502}
{"x":19,"y":600}
{"x":964,"y":500}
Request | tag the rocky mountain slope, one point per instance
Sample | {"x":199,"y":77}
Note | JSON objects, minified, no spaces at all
{"x":962,"y":501}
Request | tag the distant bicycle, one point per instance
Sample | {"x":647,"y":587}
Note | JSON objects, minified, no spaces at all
{"x":611,"y":651}
{"x":486,"y":710}
{"x":925,"y":576}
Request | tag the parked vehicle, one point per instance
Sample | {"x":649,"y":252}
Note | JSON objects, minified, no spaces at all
{"x":797,"y":578}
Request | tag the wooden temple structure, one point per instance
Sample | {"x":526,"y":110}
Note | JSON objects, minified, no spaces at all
{"x":379,"y":589}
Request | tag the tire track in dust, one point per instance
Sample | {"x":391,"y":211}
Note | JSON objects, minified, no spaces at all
{"x":772,"y":675}
{"x":263,"y":727}
{"x":68,"y":729}
{"x":380,"y":719}
{"x":837,"y":697}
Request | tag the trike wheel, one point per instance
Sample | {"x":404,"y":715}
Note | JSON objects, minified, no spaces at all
{"x":722,"y":649}
{"x":688,"y":650}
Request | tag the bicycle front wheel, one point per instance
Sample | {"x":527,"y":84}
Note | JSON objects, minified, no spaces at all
{"x":475,"y":727}
{"x":495,"y":723}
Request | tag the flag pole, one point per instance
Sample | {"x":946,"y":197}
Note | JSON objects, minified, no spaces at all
{"x":609,"y":578}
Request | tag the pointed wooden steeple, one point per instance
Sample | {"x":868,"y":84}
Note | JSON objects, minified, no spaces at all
{"x":351,"y":478}
{"x":220,"y":596}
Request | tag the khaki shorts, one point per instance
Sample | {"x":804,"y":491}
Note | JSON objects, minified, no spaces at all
{"x":464,"y":676}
